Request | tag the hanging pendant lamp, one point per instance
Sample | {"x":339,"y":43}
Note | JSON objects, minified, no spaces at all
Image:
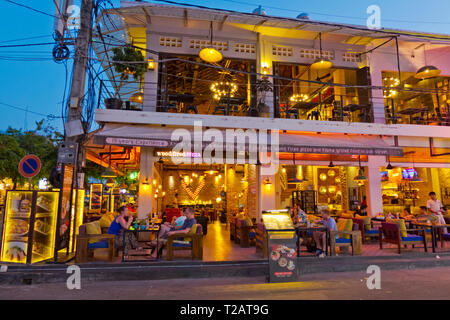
{"x":427,"y":71}
{"x":389,"y":166}
{"x":360,"y":176}
{"x":109,"y":173}
{"x":331,"y":165}
{"x":321,"y":63}
{"x":295,"y":180}
{"x":210,"y":54}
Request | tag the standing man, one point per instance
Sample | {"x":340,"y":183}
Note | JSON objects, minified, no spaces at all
{"x":435,"y":207}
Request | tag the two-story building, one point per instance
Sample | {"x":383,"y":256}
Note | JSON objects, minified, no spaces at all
{"x":357,"y":112}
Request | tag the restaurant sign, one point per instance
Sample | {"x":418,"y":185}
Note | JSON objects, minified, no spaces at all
{"x":398,"y":152}
{"x":137,"y":142}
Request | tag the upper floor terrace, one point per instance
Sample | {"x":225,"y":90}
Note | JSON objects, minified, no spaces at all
{"x":267,"y":67}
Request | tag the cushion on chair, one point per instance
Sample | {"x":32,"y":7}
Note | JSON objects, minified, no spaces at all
{"x":367,"y":221}
{"x":249,"y":221}
{"x":93,"y":228}
{"x":401,"y":224}
{"x":106,"y":219}
{"x":371,"y":232}
{"x":182,"y":243}
{"x":252,"y":234}
{"x":343,"y":240}
{"x":412,"y":237}
{"x":347,"y":215}
{"x":446,"y":236}
{"x":102,"y":244}
{"x":345,"y":225}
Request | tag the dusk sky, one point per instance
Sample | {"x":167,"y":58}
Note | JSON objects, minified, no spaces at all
{"x":31,"y":79}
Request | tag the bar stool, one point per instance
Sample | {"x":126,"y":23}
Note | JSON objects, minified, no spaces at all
{"x":314,"y":115}
{"x":292,"y":113}
{"x":170,"y":106}
{"x":220,"y":108}
{"x":192,"y":108}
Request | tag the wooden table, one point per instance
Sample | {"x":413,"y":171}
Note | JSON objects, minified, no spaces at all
{"x":305,"y":229}
{"x":136,"y":233}
{"x":412,"y":111}
{"x":433,"y":228}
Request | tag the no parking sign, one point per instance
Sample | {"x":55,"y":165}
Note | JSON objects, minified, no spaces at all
{"x":29,"y":166}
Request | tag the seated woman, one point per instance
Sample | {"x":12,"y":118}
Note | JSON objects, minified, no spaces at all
{"x":123,"y":222}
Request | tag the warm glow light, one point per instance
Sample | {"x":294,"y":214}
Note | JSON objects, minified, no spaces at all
{"x":210,"y":55}
{"x":221,"y":89}
{"x":151,"y":64}
{"x":299,"y":97}
{"x":321,"y":64}
{"x":218,"y":199}
{"x":154,"y":181}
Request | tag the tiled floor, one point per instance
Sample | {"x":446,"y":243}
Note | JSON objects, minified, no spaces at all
{"x":217,"y":246}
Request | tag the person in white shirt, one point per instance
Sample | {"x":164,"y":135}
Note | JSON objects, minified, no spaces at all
{"x":435,"y":207}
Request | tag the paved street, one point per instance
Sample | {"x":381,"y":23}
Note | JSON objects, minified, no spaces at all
{"x":432,"y":283}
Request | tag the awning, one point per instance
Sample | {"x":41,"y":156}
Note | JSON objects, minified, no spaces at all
{"x":161,"y":138}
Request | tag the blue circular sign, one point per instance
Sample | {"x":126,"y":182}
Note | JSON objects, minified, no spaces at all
{"x":29,"y":166}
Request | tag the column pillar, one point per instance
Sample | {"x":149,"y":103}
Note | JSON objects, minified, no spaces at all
{"x":373,"y":185}
{"x":435,"y":182}
{"x":145,"y":199}
{"x":150,"y":82}
{"x":377,"y":94}
{"x":268,"y":192}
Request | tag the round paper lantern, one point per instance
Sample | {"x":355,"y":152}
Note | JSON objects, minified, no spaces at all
{"x":322,"y":190}
{"x":323,"y":177}
{"x":332,"y":189}
{"x":331,"y":173}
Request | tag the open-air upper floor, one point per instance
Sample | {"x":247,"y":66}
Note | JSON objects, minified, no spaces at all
{"x":267,"y":68}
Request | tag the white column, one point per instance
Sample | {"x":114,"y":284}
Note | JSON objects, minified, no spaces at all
{"x":373,"y":185}
{"x":150,"y":82}
{"x":268,"y":192}
{"x":145,"y":200}
{"x":377,"y":94}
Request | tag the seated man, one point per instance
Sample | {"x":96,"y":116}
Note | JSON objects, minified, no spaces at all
{"x":424,"y":216}
{"x":320,"y":237}
{"x":189,"y":222}
{"x":176,"y":224}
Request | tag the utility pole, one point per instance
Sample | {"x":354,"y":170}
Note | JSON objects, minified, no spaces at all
{"x":79,"y":71}
{"x":74,"y":129}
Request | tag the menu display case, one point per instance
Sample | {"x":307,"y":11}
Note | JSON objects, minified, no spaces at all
{"x":76,"y":216}
{"x":95,"y":197}
{"x":29,"y":226}
{"x":282,"y":246}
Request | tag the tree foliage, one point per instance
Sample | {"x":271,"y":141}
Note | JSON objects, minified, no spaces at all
{"x":15,"y":144}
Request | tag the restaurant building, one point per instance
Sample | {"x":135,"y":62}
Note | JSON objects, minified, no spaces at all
{"x":345,"y":103}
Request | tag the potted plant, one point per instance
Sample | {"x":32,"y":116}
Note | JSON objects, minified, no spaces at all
{"x":263,"y":86}
{"x":127,"y":61}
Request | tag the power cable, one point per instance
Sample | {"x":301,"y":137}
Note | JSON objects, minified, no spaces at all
{"x":30,"y":8}
{"x":50,"y":116}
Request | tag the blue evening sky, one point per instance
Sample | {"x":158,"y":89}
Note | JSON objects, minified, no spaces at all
{"x":38,"y":82}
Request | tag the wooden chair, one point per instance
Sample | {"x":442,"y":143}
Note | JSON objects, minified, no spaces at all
{"x":391,"y":233}
{"x":261,"y":240}
{"x":86,"y":250}
{"x":233,"y":222}
{"x":373,"y":233}
{"x":192,"y":242}
{"x":245,"y":235}
{"x":354,"y":241}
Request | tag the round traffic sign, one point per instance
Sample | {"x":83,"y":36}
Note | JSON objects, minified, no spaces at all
{"x":29,"y":166}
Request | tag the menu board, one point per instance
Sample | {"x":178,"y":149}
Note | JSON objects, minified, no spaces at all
{"x":95,"y":198}
{"x":282,"y":246}
{"x":282,"y":256}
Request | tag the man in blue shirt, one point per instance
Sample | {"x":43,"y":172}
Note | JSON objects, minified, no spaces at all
{"x":184,"y":229}
{"x":320,"y":237}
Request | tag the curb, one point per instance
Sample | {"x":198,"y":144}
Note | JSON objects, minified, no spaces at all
{"x":56,"y":273}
